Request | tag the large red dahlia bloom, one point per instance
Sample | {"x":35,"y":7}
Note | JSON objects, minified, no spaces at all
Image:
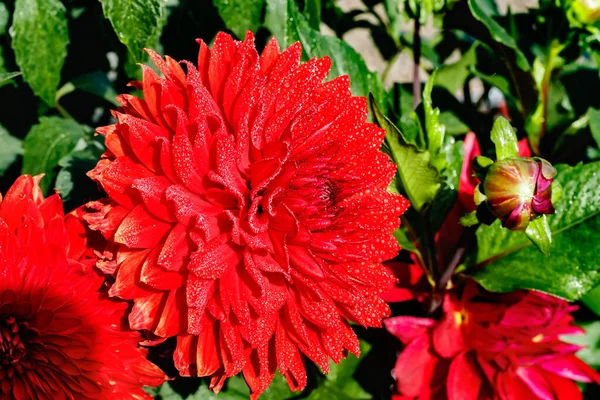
{"x":60,"y":338}
{"x":490,"y":346}
{"x":248,"y":199}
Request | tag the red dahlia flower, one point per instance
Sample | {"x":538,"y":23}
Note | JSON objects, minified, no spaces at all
{"x":490,"y":346}
{"x":248,"y":199}
{"x":60,"y":338}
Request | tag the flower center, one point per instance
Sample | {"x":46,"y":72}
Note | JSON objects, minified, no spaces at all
{"x":13,"y":334}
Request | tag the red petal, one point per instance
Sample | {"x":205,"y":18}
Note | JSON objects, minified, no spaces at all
{"x":571,"y":367}
{"x":537,"y":382}
{"x":141,"y":230}
{"x":213,"y":259}
{"x":464,"y":378}
{"x":413,"y":367}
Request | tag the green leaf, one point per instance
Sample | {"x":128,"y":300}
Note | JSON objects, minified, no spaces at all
{"x":594,"y":122}
{"x":392,"y":11}
{"x":345,"y":60}
{"x":591,"y":340}
{"x":10,"y":149}
{"x":417,"y":179}
{"x":5,"y":77}
{"x":4,"y":17}
{"x":506,"y":261}
{"x":72,"y":174}
{"x":46,"y":144}
{"x":276,"y":20}
{"x":504,"y":137}
{"x":483,"y":14}
{"x":240,"y":15}
{"x":444,"y":200}
{"x":592,"y":300}
{"x":339,"y":382}
{"x":454,"y":126}
{"x":137,"y":23}
{"x":167,"y":392}
{"x":469,"y":219}
{"x":40,"y":39}
{"x":435,"y":130}
{"x":405,"y":243}
{"x":496,"y":80}
{"x":538,"y":231}
{"x":453,"y":76}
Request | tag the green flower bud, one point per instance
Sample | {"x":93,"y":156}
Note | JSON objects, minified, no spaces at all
{"x":517,"y":190}
{"x":586,"y":11}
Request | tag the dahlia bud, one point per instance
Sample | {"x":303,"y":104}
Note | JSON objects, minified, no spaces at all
{"x":586,"y":11}
{"x":516,"y":190}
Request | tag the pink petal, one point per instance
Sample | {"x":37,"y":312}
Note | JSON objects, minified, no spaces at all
{"x":408,"y":328}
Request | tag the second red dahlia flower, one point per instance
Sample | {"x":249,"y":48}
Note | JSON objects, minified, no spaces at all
{"x":248,"y":200}
{"x":490,"y":346}
{"x":60,"y":337}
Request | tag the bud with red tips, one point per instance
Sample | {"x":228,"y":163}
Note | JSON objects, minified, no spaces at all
{"x":516,"y":190}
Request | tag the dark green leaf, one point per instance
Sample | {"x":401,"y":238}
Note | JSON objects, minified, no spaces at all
{"x":95,"y":83}
{"x":137,"y":23}
{"x":312,"y":9}
{"x":507,"y":261}
{"x":46,"y":144}
{"x":240,"y":15}
{"x":72,"y":175}
{"x":417,"y":179}
{"x":498,"y":33}
{"x":40,"y":38}
{"x":453,"y":124}
{"x":10,"y":149}
{"x":345,"y":60}
{"x":166,"y":392}
{"x":3,"y":70}
{"x":496,"y":80}
{"x":505,"y":139}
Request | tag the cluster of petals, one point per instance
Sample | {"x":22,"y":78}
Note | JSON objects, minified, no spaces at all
{"x":61,"y":337}
{"x":490,"y":346}
{"x":248,"y":206}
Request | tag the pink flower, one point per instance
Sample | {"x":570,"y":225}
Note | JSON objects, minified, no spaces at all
{"x":490,"y":346}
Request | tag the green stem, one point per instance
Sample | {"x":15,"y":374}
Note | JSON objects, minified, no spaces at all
{"x":63,"y":112}
{"x":417,"y":59}
{"x":553,"y":50}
